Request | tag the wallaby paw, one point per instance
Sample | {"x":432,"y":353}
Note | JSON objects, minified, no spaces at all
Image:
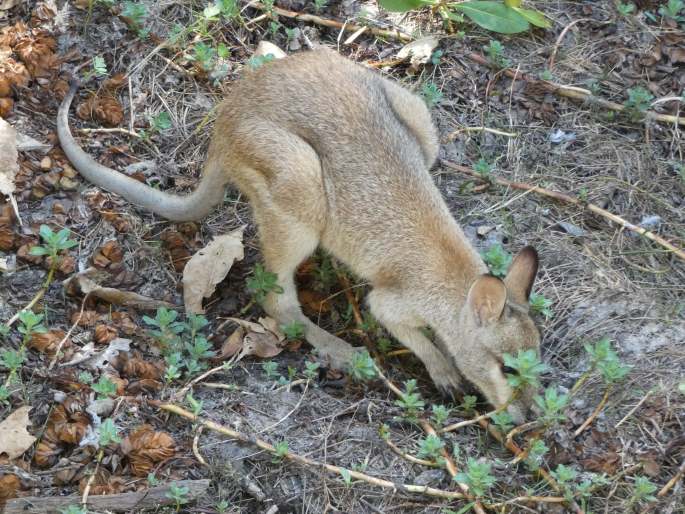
{"x":447,"y":380}
{"x":336,"y":352}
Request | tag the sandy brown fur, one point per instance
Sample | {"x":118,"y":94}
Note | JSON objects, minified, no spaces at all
{"x":332,"y":154}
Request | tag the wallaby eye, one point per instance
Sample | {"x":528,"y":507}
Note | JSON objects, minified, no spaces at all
{"x":508,"y":371}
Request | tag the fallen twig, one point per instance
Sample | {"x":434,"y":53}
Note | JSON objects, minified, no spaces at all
{"x":538,"y":499}
{"x":562,"y":197}
{"x":53,"y":361}
{"x":343,"y":472}
{"x":497,"y":132}
{"x":673,"y":481}
{"x":594,"y":414}
{"x":575,"y":93}
{"x":318,"y":20}
{"x":473,"y":421}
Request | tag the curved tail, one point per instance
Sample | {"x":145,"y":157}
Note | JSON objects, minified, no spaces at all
{"x":193,"y":206}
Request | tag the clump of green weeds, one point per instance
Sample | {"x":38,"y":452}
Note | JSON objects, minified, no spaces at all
{"x":362,"y":367}
{"x":605,"y":360}
{"x":639,"y":100}
{"x":498,"y":260}
{"x":179,"y":495}
{"x":478,"y":476}
{"x":540,"y":305}
{"x":183,"y":344}
{"x":431,"y":94}
{"x":137,"y":14}
{"x":262,"y":282}
{"x":30,"y":323}
{"x":495,"y":52}
{"x":430,"y":447}
{"x":411,"y":402}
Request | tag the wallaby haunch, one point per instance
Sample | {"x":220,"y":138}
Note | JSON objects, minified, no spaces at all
{"x":330,"y":153}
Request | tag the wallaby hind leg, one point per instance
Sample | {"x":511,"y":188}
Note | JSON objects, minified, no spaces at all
{"x":285,"y":243}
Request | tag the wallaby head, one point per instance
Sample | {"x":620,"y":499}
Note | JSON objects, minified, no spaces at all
{"x":493,"y":321}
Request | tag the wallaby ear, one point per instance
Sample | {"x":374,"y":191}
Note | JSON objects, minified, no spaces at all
{"x":486,"y":299}
{"x":521,"y":275}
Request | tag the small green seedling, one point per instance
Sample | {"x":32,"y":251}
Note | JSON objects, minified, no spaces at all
{"x":311,"y":370}
{"x":108,"y":433}
{"x":98,"y":68}
{"x":137,"y":14}
{"x":643,"y":491}
{"x":468,"y":403}
{"x":540,"y":305}
{"x":362,"y":367}
{"x":104,"y":388}
{"x":605,"y":360}
{"x":319,"y":5}
{"x":194,"y":404}
{"x":281,"y":451}
{"x":411,"y":401}
{"x":430,"y":447}
{"x":483,"y":168}
{"x":256,"y":61}
{"x":565,"y":476}
{"x":229,"y":8}
{"x":13,"y":360}
{"x":54,"y":242}
{"x":85,"y":377}
{"x":672,"y":10}
{"x":495,"y":52}
{"x":271,"y":369}
{"x":73,"y":509}
{"x":222,"y":506}
{"x":537,"y":450}
{"x":431,"y":94}
{"x":161,"y":122}
{"x":263,"y":282}
{"x":293,"y":330}
{"x":625,"y":9}
{"x":546,"y":75}
{"x":527,"y":366}
{"x":503,"y":421}
{"x":440,"y":414}
{"x":4,"y":394}
{"x":639,"y":100}
{"x":152,"y":480}
{"x":498,"y":260}
{"x":477,"y":476}
{"x":178,"y":494}
{"x":347,"y":476}
{"x":552,"y":406}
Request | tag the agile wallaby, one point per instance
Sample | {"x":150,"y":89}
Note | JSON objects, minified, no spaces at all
{"x":330,"y":153}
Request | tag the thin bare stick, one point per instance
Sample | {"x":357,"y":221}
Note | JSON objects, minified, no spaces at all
{"x":673,"y":481}
{"x":305,"y":461}
{"x":562,"y":197}
{"x":538,"y":499}
{"x":297,"y":406}
{"x":497,"y":132}
{"x":553,"y":55}
{"x":115,"y":130}
{"x":632,"y":411}
{"x":575,"y":93}
{"x":196,"y":450}
{"x":41,"y":292}
{"x":594,"y":414}
{"x":347,"y":27}
{"x":182,"y":392}
{"x":472,"y":421}
{"x":414,"y":460}
{"x":53,"y":361}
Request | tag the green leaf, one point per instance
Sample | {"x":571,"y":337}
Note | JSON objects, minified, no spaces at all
{"x":38,"y":250}
{"x":533,"y":17}
{"x":494,"y":16}
{"x":401,"y":5}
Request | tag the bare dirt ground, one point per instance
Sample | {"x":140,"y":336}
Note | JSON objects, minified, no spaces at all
{"x":604,"y":281}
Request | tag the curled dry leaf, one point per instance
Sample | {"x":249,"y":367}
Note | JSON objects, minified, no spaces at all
{"x":109,"y":253}
{"x":105,"y":334}
{"x":103,"y":108}
{"x":263,"y":339}
{"x":9,"y":485}
{"x":36,"y":49}
{"x":210,"y":266}
{"x":14,"y":438}
{"x":48,"y":342}
{"x":419,"y":51}
{"x":137,"y":367}
{"x":103,"y":483}
{"x":145,"y":447}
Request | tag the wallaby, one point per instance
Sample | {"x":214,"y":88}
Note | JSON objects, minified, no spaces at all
{"x":331,"y":154}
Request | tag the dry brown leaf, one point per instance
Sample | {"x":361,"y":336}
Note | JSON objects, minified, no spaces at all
{"x":145,"y":447}
{"x":103,"y":483}
{"x":106,"y":109}
{"x":314,"y":302}
{"x":6,"y":105}
{"x":48,"y":342}
{"x":210,"y":266}
{"x":104,"y":334}
{"x":264,"y":345}
{"x":37,"y":51}
{"x":419,"y":51}
{"x":9,"y":485}
{"x":14,"y":438}
{"x":109,"y":253}
{"x":232,"y":345}
{"x":8,"y":157}
{"x":136,"y":367}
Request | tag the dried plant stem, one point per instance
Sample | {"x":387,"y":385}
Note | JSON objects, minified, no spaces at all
{"x":53,"y":361}
{"x":473,"y":421}
{"x":538,"y":499}
{"x":307,"y":462}
{"x":673,"y":481}
{"x":348,"y":27}
{"x":576,"y":93}
{"x":36,"y":298}
{"x":196,"y":450}
{"x":497,"y":132}
{"x":594,"y":414}
{"x":91,"y":478}
{"x":414,"y":460}
{"x":115,"y":130}
{"x":562,"y":197}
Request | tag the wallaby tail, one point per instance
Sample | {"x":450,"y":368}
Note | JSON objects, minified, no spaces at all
{"x":193,"y":206}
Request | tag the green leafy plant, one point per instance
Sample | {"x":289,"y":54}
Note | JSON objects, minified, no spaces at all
{"x":281,"y":451}
{"x":222,"y":506}
{"x":540,"y":305}
{"x":178,"y":494}
{"x":565,"y":476}
{"x":639,"y":100}
{"x":104,"y":387}
{"x":537,"y":450}
{"x":346,"y":476}
{"x":552,"y":406}
{"x":468,"y":403}
{"x":411,"y":401}
{"x":229,"y":8}
{"x":477,"y":476}
{"x":4,"y":394}
{"x":137,"y":14}
{"x":204,"y":55}
{"x":604,"y":359}
{"x":13,"y":360}
{"x":160,"y":122}
{"x":256,"y":61}
{"x":152,"y":480}
{"x":527,"y":366}
{"x":439,"y":415}
{"x":431,"y":94}
{"x":74,"y":509}
{"x":483,"y":168}
{"x":293,"y":330}
{"x":625,"y":9}
{"x":54,"y":242}
{"x":194,"y":404}
{"x":311,"y":370}
{"x":495,"y":52}
{"x":319,"y":5}
{"x":263,"y":282}
{"x":430,"y":447}
{"x":85,"y":377}
{"x":643,"y":491}
{"x":503,"y":421}
{"x":107,"y":433}
{"x":672,"y":10}
{"x":505,"y":17}
{"x":498,"y":260}
{"x":270,"y":368}
{"x":362,"y":367}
